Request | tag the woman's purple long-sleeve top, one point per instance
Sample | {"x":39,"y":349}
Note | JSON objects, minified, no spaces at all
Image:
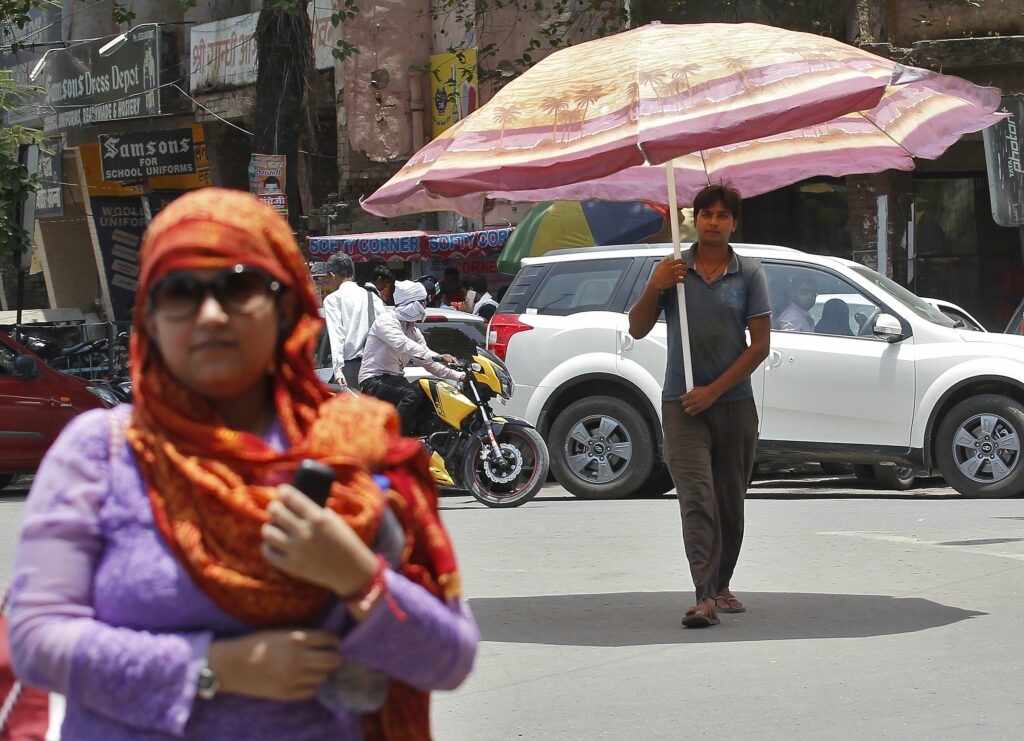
{"x":103,"y":612}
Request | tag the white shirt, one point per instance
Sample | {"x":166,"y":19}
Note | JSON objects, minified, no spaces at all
{"x":346,"y":313}
{"x":485,"y":300}
{"x":795,"y":319}
{"x":392,"y":343}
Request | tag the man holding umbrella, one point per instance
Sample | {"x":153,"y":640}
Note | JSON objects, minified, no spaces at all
{"x":710,"y":430}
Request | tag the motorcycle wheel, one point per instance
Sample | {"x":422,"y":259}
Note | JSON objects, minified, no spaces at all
{"x":518,"y":479}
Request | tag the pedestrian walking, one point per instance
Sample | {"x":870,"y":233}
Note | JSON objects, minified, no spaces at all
{"x":349,"y":312}
{"x":382,"y":283}
{"x":169,"y":581}
{"x":710,"y":431}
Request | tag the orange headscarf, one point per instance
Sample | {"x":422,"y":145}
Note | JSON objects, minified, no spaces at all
{"x":209,"y":485}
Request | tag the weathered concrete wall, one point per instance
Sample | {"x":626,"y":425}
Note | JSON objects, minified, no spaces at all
{"x":393,"y":37}
{"x":908,"y":21}
{"x":512,"y":26}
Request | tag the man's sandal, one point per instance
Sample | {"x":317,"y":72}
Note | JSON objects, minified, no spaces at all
{"x":729,"y":604}
{"x":694,"y":619}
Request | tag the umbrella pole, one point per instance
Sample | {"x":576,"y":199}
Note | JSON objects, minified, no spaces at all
{"x":684,"y":327}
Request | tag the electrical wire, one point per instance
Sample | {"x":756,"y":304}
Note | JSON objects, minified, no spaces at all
{"x":60,"y":20}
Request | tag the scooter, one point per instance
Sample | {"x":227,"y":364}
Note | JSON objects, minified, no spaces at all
{"x":501,"y":461}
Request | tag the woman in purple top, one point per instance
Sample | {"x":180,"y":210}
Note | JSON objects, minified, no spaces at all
{"x":168,"y":581}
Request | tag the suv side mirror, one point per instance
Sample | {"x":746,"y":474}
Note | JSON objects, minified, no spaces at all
{"x":888,"y":328}
{"x":25,"y":365}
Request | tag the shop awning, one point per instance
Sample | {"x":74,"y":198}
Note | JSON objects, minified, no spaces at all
{"x":411,"y":245}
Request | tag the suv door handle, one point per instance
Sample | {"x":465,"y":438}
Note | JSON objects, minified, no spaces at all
{"x":774,"y":359}
{"x":627,"y":341}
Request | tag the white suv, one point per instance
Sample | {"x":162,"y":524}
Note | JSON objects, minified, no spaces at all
{"x":897,"y":383}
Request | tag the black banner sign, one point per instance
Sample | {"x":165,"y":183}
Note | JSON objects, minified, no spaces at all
{"x":50,"y":196}
{"x":120,"y":223}
{"x":85,"y":87}
{"x":1003,"y":156}
{"x":130,"y":157}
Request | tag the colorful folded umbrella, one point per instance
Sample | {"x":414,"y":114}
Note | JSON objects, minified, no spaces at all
{"x":553,"y":225}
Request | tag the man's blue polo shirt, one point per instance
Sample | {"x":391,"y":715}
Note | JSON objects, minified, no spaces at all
{"x":717,"y":316}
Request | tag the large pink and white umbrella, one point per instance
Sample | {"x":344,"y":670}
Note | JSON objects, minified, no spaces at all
{"x":749,"y":106}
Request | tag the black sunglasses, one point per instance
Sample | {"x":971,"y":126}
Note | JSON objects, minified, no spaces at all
{"x":241,"y":289}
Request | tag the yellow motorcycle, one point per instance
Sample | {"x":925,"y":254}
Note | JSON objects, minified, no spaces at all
{"x":501,"y":461}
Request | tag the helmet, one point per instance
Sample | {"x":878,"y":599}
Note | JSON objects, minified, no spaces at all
{"x":429,"y":282}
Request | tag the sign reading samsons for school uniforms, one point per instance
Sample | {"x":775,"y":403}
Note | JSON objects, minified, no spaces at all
{"x":128,"y":157}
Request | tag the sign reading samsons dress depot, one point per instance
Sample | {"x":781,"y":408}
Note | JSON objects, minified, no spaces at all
{"x":85,"y":88}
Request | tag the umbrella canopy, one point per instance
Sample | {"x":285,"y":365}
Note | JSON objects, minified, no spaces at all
{"x":553,"y":225}
{"x":919,"y":118}
{"x":642,"y":96}
{"x":917,"y":121}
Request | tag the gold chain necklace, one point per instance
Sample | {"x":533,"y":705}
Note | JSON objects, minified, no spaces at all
{"x":710,"y":275}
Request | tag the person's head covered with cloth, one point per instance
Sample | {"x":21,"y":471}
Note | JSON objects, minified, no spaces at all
{"x":225,"y":323}
{"x":410,"y":301}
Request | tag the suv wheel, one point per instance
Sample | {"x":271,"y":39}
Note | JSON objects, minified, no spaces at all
{"x":978,"y":447}
{"x":5,"y":479}
{"x":601,"y":448}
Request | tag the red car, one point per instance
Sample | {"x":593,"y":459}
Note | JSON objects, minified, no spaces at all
{"x":36,"y":402}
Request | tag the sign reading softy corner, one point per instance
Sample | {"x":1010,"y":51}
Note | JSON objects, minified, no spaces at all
{"x":411,"y":245}
{"x":85,"y":88}
{"x":129,"y":157}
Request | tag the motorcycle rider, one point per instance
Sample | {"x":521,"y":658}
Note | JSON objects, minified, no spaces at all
{"x":392,"y":342}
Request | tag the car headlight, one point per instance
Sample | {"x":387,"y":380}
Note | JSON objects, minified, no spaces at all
{"x":107,"y":396}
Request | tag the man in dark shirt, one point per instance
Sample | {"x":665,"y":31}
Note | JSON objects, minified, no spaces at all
{"x":710,"y":431}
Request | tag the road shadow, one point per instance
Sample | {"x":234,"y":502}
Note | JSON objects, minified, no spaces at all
{"x":651,"y":618}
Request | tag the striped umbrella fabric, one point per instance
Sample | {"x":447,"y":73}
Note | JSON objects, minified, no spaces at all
{"x":915,"y":121}
{"x":644,"y":96}
{"x":919,"y":118}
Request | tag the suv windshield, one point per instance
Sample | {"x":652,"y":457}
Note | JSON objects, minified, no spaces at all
{"x":916,"y":304}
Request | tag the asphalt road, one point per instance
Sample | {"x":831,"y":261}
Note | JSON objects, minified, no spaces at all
{"x":870,"y":615}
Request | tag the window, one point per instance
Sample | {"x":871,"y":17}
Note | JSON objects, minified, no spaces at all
{"x":916,"y":304}
{"x":573,"y":287}
{"x":810,"y":300}
{"x":6,"y":361}
{"x":460,"y":339}
{"x":1016,"y":325}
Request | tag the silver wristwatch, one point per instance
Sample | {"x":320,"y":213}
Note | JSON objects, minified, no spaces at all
{"x":208,"y":684}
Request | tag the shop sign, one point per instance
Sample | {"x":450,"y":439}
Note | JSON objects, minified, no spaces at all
{"x":50,"y":195}
{"x":223,"y":53}
{"x":454,"y":88}
{"x":93,"y":168}
{"x":120,"y":224}
{"x":129,"y":157}
{"x":1003,"y":159}
{"x":412,"y":245}
{"x":277,"y":201}
{"x":267,"y":173}
{"x":86,"y":88}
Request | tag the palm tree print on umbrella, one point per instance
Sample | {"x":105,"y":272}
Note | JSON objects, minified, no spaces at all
{"x":554,"y":105}
{"x":654,"y":79}
{"x":503,"y":116}
{"x":584,"y":98}
{"x":681,"y":81}
{"x":740,"y":66}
